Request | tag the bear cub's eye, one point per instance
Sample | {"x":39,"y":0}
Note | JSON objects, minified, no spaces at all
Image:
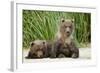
{"x":69,"y":26}
{"x":65,"y":26}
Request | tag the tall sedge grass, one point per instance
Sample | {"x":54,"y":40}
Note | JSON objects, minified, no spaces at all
{"x":44,"y":25}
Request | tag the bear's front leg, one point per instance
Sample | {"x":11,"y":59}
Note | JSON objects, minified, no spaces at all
{"x":74,"y":51}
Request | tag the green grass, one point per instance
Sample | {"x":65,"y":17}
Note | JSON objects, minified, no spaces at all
{"x":44,"y":25}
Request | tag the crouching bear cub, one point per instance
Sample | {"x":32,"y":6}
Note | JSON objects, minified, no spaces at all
{"x":64,"y":45}
{"x":39,"y":49}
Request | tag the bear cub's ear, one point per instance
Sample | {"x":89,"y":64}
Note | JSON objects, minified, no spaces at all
{"x":43,"y":43}
{"x":31,"y":44}
{"x":72,"y":20}
{"x":62,"y":20}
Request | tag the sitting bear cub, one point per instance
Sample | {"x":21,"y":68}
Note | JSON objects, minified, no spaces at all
{"x":64,"y":45}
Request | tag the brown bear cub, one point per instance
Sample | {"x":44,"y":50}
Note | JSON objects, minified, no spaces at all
{"x":39,"y":49}
{"x":64,"y":45}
